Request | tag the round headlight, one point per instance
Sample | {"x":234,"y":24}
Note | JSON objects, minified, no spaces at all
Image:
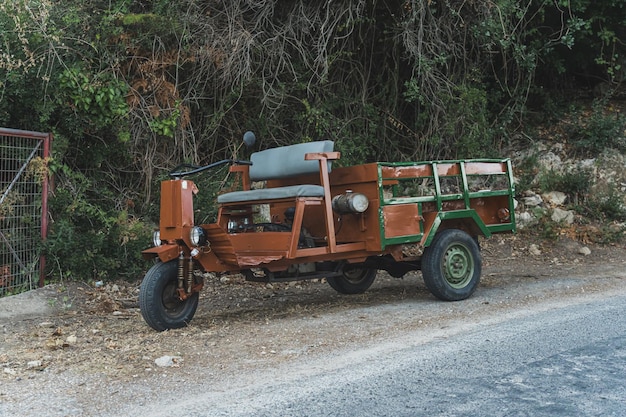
{"x":156,"y":239}
{"x":197,"y":236}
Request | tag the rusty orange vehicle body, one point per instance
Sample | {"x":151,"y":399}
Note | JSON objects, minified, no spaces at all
{"x":296,"y":217}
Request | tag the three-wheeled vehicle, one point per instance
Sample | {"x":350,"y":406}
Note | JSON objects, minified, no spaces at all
{"x":297,"y":218}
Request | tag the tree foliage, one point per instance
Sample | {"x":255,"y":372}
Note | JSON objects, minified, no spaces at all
{"x":132,"y":88}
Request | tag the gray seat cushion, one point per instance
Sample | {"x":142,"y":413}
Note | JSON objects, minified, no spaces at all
{"x":287,"y":161}
{"x":292,"y":191}
{"x":283,"y":162}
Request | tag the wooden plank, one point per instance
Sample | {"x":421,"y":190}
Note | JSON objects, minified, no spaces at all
{"x":411,"y":171}
{"x":485,"y":168}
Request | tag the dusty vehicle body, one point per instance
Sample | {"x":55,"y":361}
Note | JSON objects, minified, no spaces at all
{"x":340,"y":224}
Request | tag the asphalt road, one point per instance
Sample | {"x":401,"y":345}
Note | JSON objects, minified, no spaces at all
{"x":568,"y":360}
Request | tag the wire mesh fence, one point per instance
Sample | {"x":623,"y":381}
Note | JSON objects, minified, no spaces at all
{"x":23,"y":208}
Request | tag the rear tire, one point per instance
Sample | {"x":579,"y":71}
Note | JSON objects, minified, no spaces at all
{"x":159,"y":302}
{"x":451,"y":265}
{"x":353,"y":280}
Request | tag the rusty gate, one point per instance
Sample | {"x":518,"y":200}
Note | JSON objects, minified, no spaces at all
{"x":23,"y":208}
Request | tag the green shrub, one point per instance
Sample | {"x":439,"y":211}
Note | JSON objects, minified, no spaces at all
{"x":525,"y":173}
{"x":575,"y":183}
{"x":545,"y":227}
{"x":611,"y":233}
{"x":91,"y":236}
{"x":596,"y":130}
{"x":603,"y":207}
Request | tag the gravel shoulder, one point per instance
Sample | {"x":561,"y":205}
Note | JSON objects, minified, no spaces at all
{"x":72,"y":349}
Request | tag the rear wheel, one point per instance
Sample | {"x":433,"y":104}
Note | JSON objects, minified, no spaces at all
{"x":451,"y":265}
{"x":353,"y":280}
{"x":160,"y":305}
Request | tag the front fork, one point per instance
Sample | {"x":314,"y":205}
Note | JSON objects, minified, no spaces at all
{"x":186,"y":285}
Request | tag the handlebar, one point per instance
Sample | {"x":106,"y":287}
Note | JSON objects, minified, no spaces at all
{"x":176,"y":173}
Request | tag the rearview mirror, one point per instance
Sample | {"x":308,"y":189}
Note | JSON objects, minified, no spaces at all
{"x":249,"y":139}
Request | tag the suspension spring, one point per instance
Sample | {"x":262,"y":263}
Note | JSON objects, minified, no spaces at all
{"x":181,"y":271}
{"x":190,"y":275}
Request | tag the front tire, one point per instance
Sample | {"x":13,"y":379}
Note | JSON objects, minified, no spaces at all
{"x":353,"y":280}
{"x":451,"y":265}
{"x":159,"y":302}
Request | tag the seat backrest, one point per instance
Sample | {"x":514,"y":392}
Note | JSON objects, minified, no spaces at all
{"x":287,"y":161}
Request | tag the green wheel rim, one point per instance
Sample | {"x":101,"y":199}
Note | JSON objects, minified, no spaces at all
{"x":458,"y":266}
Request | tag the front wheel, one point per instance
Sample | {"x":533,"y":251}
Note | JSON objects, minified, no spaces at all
{"x":353,"y":280}
{"x":451,"y":265}
{"x":160,"y":305}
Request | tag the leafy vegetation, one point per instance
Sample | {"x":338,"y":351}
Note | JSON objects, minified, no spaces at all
{"x":606,"y":207}
{"x":597,"y":129}
{"x":132,"y":88}
{"x":576,"y":184}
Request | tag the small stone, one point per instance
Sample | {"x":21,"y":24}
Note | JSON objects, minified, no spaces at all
{"x":115,"y":288}
{"x":224,"y":280}
{"x":168,"y":361}
{"x":532,"y":201}
{"x":584,"y":251}
{"x":10,"y":371}
{"x":534,"y":250}
{"x":562,"y":216}
{"x":587,"y":164}
{"x":554,"y":198}
{"x":71,"y":339}
{"x":524,"y":218}
{"x":34,"y":365}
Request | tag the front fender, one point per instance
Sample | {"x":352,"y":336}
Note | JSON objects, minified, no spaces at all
{"x":164,"y":252}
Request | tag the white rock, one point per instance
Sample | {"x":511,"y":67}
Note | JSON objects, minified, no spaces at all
{"x":560,"y":215}
{"x":555,"y":198}
{"x":34,"y":364}
{"x":524,"y":218}
{"x":550,"y":162}
{"x":532,"y":201}
{"x":71,"y":339}
{"x":534,"y":250}
{"x":168,"y":361}
{"x":584,"y":251}
{"x":586,"y":163}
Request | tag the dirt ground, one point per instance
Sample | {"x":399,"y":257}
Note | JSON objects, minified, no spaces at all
{"x":84,"y":336}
